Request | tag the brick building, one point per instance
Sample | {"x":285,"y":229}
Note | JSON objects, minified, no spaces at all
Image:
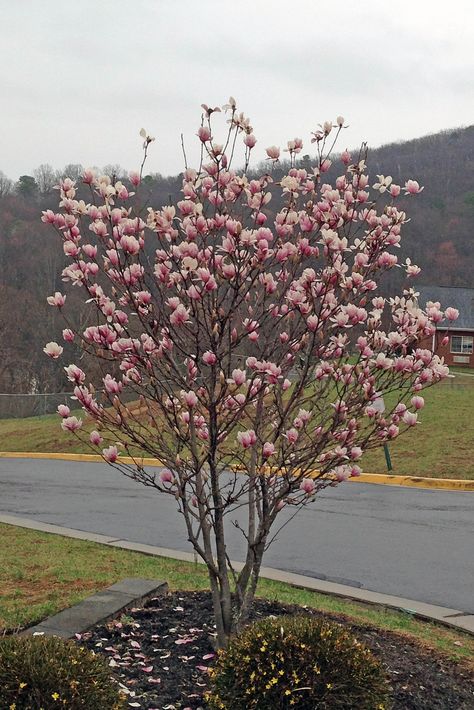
{"x":460,"y":348}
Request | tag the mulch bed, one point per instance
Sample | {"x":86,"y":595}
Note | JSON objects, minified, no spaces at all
{"x":160,"y":654}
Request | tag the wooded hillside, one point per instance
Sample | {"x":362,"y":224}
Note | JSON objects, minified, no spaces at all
{"x":438,"y":238}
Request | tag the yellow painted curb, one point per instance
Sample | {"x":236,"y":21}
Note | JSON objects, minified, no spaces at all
{"x":87,"y":458}
{"x":385,"y":479}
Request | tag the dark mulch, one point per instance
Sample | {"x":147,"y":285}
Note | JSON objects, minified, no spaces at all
{"x":161,"y":653}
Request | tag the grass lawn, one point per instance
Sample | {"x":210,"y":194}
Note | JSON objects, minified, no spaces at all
{"x":41,"y":573}
{"x":439,"y":446}
{"x":39,"y":434}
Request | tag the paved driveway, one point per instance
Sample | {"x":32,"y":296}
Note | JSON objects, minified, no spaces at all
{"x":408,"y":542}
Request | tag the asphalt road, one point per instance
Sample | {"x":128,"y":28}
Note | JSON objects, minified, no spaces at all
{"x":408,"y":542}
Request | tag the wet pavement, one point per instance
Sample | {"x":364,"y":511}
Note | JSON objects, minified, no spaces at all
{"x":407,"y":542}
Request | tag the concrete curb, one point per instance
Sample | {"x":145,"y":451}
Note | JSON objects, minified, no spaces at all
{"x":385,"y":479}
{"x":454,"y":618}
{"x":129,"y":592}
{"x":86,"y":458}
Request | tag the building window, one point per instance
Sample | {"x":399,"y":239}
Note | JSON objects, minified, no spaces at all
{"x":462,"y":344}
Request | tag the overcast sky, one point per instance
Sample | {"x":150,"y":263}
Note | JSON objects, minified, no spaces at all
{"x":79,"y":79}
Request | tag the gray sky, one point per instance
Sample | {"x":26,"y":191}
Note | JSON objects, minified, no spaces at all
{"x":79,"y":79}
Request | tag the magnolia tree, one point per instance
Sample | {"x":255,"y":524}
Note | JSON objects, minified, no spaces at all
{"x":254,"y":340}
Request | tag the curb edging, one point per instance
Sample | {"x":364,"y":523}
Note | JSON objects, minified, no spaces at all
{"x":98,"y":608}
{"x":454,"y":618}
{"x":385,"y":479}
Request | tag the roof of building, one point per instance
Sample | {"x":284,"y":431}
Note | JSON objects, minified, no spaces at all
{"x":460,"y":298}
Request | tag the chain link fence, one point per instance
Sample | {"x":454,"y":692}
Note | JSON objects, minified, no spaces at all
{"x":19,"y":406}
{"x":15,"y":406}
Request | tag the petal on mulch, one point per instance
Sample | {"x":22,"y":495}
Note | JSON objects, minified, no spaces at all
{"x":421,"y":679}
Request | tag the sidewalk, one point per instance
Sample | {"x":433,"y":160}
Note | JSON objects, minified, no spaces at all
{"x":442,"y":615}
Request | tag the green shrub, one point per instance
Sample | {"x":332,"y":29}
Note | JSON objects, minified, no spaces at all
{"x":37,"y":672}
{"x":296,"y":662}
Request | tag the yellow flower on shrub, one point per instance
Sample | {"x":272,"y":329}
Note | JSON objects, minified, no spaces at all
{"x":313,"y":664}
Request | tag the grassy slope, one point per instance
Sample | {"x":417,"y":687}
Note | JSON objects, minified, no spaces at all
{"x":42,"y":573}
{"x":39,"y":434}
{"x":439,"y":446}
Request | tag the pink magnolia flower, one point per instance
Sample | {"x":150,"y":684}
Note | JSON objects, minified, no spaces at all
{"x":75,"y":374}
{"x":203,"y":433}
{"x":64,"y":411}
{"x":190,"y":399}
{"x":88,"y":176}
{"x":71,"y":424}
{"x":418,"y":402}
{"x":166,"y":476}
{"x":53,"y":350}
{"x":204,"y":134}
{"x":451,"y":313}
{"x":228,"y":270}
{"x":130,"y":244}
{"x":238,"y":377}
{"x":412,"y":187}
{"x":194,"y":293}
{"x":180,"y":315}
{"x":95,"y":438}
{"x":110,"y":454}
{"x":246,"y":438}
{"x":292,"y":435}
{"x":307,"y":486}
{"x":411,"y":269}
{"x":392,"y":431}
{"x":134,"y":178}
{"x":173,"y":302}
{"x":209,"y":358}
{"x":57,"y":300}
{"x":48,"y":217}
{"x":250,"y":140}
{"x":346,"y":157}
{"x":383,"y":183}
{"x":268,"y":449}
{"x":410,"y":418}
{"x":342,"y":473}
{"x":355,"y":453}
{"x":111,"y":385}
{"x":68,"y":335}
{"x":273,"y":152}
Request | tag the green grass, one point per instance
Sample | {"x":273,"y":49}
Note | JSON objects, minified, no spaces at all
{"x":39,"y":434}
{"x":41,"y":573}
{"x":439,"y":447}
